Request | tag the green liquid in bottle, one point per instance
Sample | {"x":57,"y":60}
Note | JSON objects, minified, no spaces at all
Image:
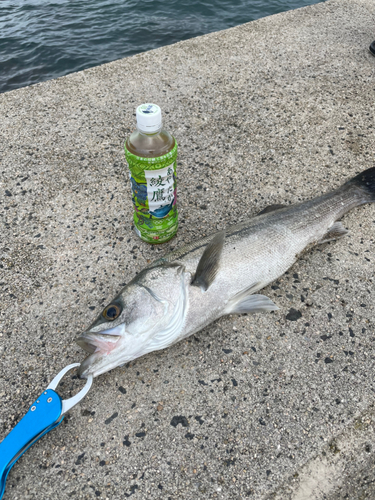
{"x":151,"y":153}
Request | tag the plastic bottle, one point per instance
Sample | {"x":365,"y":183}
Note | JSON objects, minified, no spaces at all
{"x":151,"y":153}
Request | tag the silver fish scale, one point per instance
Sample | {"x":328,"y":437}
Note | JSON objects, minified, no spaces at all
{"x":307,"y":220}
{"x":258,"y":251}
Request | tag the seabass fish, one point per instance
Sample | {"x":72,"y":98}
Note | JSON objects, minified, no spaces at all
{"x":189,"y":288}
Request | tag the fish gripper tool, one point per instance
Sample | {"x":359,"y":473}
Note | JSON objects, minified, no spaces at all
{"x":46,"y":413}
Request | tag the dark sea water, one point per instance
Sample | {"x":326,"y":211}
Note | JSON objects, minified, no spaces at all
{"x":41,"y":39}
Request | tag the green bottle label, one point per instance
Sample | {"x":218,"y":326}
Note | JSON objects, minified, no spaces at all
{"x":154,"y":195}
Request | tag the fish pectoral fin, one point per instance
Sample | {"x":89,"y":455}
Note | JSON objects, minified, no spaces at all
{"x":209,"y":263}
{"x":248,"y":303}
{"x":271,"y":208}
{"x":336,"y":231}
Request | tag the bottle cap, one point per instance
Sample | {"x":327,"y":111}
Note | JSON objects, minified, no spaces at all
{"x":148,"y":118}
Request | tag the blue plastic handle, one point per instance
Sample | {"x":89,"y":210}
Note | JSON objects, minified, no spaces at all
{"x":43,"y":416}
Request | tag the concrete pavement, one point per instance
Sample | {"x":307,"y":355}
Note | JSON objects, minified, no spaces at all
{"x":276,"y":406}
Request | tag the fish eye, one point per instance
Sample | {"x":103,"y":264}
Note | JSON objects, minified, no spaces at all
{"x":111,"y":312}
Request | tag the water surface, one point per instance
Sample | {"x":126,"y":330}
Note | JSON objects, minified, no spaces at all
{"x":40,"y":39}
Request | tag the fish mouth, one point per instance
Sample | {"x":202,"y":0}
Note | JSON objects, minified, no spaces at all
{"x":92,"y":342}
{"x":87,"y":367}
{"x":98,"y":345}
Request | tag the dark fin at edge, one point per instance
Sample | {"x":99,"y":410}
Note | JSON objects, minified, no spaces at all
{"x":271,"y":208}
{"x":336,"y":231}
{"x":208,"y":265}
{"x":366,"y":181}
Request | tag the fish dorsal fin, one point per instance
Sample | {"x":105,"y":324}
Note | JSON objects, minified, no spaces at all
{"x":246,"y":302}
{"x":336,"y":231}
{"x":271,"y":208}
{"x":208,"y":265}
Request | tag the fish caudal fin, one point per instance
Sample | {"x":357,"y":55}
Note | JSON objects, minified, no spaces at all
{"x":366,"y":182}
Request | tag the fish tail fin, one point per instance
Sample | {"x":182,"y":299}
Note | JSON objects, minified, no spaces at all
{"x":365,"y":181}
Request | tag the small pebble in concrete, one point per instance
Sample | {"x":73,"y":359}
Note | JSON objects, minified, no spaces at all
{"x":293,"y":314}
{"x":110,"y":419}
{"x":179,"y":419}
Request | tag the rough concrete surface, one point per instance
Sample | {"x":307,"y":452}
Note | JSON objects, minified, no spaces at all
{"x":276,"y":406}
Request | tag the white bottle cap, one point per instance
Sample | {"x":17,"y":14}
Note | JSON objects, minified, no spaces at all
{"x":148,"y":118}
